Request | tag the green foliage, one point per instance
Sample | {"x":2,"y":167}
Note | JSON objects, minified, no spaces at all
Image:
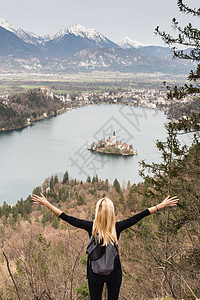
{"x":117,"y":186}
{"x":83,"y":292}
{"x":21,"y":209}
{"x":46,"y":217}
{"x":63,"y":194}
{"x":176,"y":175}
{"x":128,"y":184}
{"x":88,"y":179}
{"x":51,"y":183}
{"x":55,"y":222}
{"x":121,"y":198}
{"x":83,"y":260}
{"x":65,"y":177}
{"x":56,"y":181}
{"x":81,"y":199}
{"x":11,"y":220}
{"x":127,"y":236}
{"x":105,"y":185}
{"x":93,"y":180}
{"x":53,"y":195}
{"x":131,"y":197}
{"x":37,"y":190}
{"x":93,"y":191}
{"x":189,"y":37}
{"x":5,"y":210}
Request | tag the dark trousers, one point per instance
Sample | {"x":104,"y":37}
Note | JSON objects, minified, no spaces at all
{"x":96,"y":283}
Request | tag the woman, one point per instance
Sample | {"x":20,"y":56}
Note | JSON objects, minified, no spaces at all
{"x":108,"y":232}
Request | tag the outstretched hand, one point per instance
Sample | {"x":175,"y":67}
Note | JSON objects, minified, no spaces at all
{"x":39,"y":199}
{"x":170,"y":201}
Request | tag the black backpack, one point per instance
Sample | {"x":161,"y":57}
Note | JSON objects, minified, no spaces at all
{"x":101,"y":258}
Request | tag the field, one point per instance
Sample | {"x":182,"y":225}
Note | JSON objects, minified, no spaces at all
{"x":93,"y":82}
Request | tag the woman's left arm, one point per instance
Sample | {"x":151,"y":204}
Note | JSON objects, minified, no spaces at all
{"x":165,"y":203}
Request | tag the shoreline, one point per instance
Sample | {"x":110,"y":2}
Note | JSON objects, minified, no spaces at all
{"x":111,"y":153}
{"x":63,"y":110}
{"x":33,"y":123}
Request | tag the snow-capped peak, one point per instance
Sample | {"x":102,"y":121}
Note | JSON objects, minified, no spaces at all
{"x":82,"y":31}
{"x":5,"y":24}
{"x":127,"y":43}
{"x":27,"y":37}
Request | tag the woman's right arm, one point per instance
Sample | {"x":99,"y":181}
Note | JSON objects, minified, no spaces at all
{"x":79,"y":223}
{"x":43,"y":201}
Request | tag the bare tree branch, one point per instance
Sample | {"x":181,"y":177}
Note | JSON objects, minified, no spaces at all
{"x":8,"y":267}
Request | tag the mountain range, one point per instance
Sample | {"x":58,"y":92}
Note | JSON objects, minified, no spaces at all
{"x":78,"y":48}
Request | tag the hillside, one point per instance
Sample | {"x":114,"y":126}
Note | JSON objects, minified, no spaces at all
{"x":24,"y":109}
{"x":181,"y":109}
{"x":12,"y":45}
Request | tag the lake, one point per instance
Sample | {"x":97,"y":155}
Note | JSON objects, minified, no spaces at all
{"x":61,"y":143}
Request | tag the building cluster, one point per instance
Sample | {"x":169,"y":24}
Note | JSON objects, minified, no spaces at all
{"x":150,"y":98}
{"x":4,"y":99}
{"x":48,"y":91}
{"x":111,"y":142}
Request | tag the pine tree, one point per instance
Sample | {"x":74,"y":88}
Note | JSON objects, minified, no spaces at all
{"x":81,"y":199}
{"x":177,"y":174}
{"x":56,"y":180}
{"x":65,"y":177}
{"x":187,"y":36}
{"x":55,"y":222}
{"x":88,"y":179}
{"x":51,"y":182}
{"x":117,"y":186}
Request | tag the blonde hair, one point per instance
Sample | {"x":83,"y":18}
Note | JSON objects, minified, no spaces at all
{"x":104,"y":222}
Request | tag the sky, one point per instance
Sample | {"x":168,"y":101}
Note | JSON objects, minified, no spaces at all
{"x":115,"y":19}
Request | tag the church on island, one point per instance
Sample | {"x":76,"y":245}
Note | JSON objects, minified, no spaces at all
{"x":112,"y":146}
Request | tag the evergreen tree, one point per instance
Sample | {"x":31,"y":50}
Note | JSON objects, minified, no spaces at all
{"x":56,"y":180}
{"x":88,"y":179}
{"x":81,"y":199}
{"x":6,"y":209}
{"x":65,"y":177}
{"x":187,"y":36}
{"x":96,"y":178}
{"x":11,"y":220}
{"x":173,"y":176}
{"x":128,"y":185}
{"x":51,"y":182}
{"x":131,"y":197}
{"x":93,"y":180}
{"x":121,"y":198}
{"x":106,"y":184}
{"x":46,"y":217}
{"x":55,"y":222}
{"x":117,"y":186}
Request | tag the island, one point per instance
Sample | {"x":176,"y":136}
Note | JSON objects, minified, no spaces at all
{"x":112,"y":146}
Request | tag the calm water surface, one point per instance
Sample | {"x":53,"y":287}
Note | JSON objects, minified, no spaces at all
{"x":58,"y":144}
